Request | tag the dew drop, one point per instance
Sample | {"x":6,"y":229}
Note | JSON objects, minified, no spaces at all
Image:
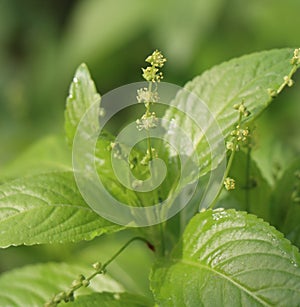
{"x":294,"y":263}
{"x":101,"y":112}
{"x":219,"y":214}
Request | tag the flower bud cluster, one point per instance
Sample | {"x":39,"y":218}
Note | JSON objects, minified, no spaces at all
{"x":287,"y":79}
{"x":239,"y":136}
{"x":148,"y":96}
{"x":229,"y":184}
{"x":296,"y":57}
{"x":152,"y":73}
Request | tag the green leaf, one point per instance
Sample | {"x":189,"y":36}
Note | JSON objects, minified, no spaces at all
{"x":286,"y":203}
{"x":111,"y":300}
{"x":47,"y":208}
{"x":273,"y":155}
{"x":247,"y":79}
{"x":82,"y":96}
{"x":48,"y":154}
{"x":34,"y":285}
{"x":229,"y":258}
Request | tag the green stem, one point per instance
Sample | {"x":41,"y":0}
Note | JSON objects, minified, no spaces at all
{"x":162,"y":237}
{"x":282,"y":86}
{"x":84,"y":281}
{"x":149,"y":145}
{"x":122,"y":249}
{"x":228,"y":167}
{"x":148,"y":134}
{"x":248,"y":162}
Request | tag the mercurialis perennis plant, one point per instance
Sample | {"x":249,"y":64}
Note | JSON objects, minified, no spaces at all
{"x":181,"y":188}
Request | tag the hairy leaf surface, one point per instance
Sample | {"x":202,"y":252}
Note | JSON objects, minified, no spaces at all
{"x":47,"y":208}
{"x":247,"y":79}
{"x":34,"y":285}
{"x":229,"y":258}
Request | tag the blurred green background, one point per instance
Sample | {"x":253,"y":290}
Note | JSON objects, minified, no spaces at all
{"x":42,"y":43}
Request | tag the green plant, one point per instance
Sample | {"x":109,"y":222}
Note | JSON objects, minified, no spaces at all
{"x":215,"y":257}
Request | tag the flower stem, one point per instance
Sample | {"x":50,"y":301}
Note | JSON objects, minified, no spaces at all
{"x":228,"y":167}
{"x":289,"y":76}
{"x":122,"y":249}
{"x":248,"y":166}
{"x":148,"y":134}
{"x":68,"y":295}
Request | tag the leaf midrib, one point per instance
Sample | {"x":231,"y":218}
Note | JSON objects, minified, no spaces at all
{"x":47,"y":206}
{"x":242,"y":288}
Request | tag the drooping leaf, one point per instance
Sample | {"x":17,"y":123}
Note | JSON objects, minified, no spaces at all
{"x":229,"y":258}
{"x":247,"y":79}
{"x":34,"y":285}
{"x":47,"y":208}
{"x":82,"y":96}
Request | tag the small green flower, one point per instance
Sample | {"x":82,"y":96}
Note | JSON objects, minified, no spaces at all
{"x":230,"y":146}
{"x":97,"y":266}
{"x":148,"y":156}
{"x":146,"y":96}
{"x":289,"y":82}
{"x":296,"y":57}
{"x":156,"y":59}
{"x":149,"y":73}
{"x":242,"y":109}
{"x":148,"y":121}
{"x":229,"y":184}
{"x":240,"y":133}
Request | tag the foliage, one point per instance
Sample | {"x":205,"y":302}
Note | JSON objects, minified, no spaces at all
{"x":228,"y":258}
{"x":224,"y":257}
